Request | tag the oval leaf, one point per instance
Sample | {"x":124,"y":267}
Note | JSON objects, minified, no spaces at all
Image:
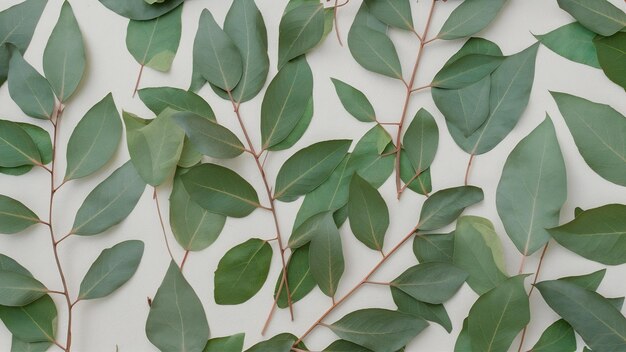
{"x":15,"y":216}
{"x":470,"y":18}
{"x":432,"y":312}
{"x":466,"y":70}
{"x":574,"y":42}
{"x":208,"y":137}
{"x":29,"y":89}
{"x":35,"y":322}
{"x":301,"y":28}
{"x":599,"y":16}
{"x":445,"y":206}
{"x":434,"y":248}
{"x":18,"y":290}
{"x":611,"y":52}
{"x":140,"y":9}
{"x":232,"y":343}
{"x":160,"y":98}
{"x":326,"y":260}
{"x":431,"y":282}
{"x":354,"y":101}
{"x":396,"y":13}
{"x":368,"y":213}
{"x":421,"y":140}
{"x":374,"y":51}
{"x":300,"y":279}
{"x":557,"y":337}
{"x":17,"y":147}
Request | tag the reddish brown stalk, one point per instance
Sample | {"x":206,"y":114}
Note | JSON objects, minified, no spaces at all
{"x":469,"y":166}
{"x":138,"y":80}
{"x":158,"y":207}
{"x":335,"y":12}
{"x":182,"y":263}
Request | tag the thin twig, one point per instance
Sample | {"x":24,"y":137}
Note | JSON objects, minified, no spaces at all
{"x":138,"y":80}
{"x":182,"y":263}
{"x":158,"y":207}
{"x":335,"y":12}
{"x":469,"y":166}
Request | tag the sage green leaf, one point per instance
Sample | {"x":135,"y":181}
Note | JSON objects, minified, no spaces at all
{"x":445,"y":206}
{"x":431,"y":282}
{"x":374,"y":51}
{"x":364,"y":17}
{"x":16,"y":171}
{"x":139,"y":9}
{"x":602,"y":327}
{"x":589,"y":281}
{"x":154,"y":43}
{"x":598,"y":131}
{"x":232,"y":343}
{"x":326,"y":260}
{"x":395,"y":13}
{"x":478,"y":251}
{"x":220,"y":190}
{"x":422,"y":184}
{"x":35,"y":322}
{"x":64,"y":56}
{"x":617,"y":302}
{"x":434,"y":248}
{"x":15,"y":216}
{"x":315,"y":226}
{"x":475,"y":45}
{"x":345,"y":346}
{"x":498,"y":316}
{"x":611,"y":54}
{"x":557,"y":337}
{"x":421,"y":140}
{"x":466,"y":70}
{"x":278,"y":343}
{"x":380,"y":330}
{"x":154,"y":145}
{"x":298,"y":131}
{"x":354,"y":101}
{"x":599,"y":16}
{"x":9,"y":264}
{"x":463,"y":342}
{"x":308,"y":168}
{"x":28,"y":88}
{"x":572,"y":41}
{"x":177,"y":322}
{"x":18,"y":290}
{"x":160,"y":98}
{"x":597,"y":234}
{"x":208,"y":137}
{"x":17,"y":148}
{"x":470,"y":18}
{"x":18,"y":345}
{"x":285,"y":101}
{"x":110,"y":202}
{"x":299,"y":278}
{"x":194,"y":227}
{"x":94,"y":140}
{"x":42,"y":140}
{"x":532,"y":189}
{"x":301,"y":28}
{"x":372,"y":158}
{"x":242,"y":271}
{"x":218,"y":59}
{"x":112,"y":269}
{"x":368,"y":213}
{"x":432,"y":312}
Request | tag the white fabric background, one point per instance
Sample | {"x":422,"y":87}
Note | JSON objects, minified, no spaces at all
{"x":120,"y":319}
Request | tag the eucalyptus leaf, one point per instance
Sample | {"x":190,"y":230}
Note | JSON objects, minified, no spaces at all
{"x":158,"y":99}
{"x":421,"y":140}
{"x":278,"y":343}
{"x":374,"y":51}
{"x":300,"y":279}
{"x":470,"y":18}
{"x":589,"y":281}
{"x":368,"y":213}
{"x":35,"y":322}
{"x":17,"y":290}
{"x":345,"y":346}
{"x":431,"y":282}
{"x":445,"y":206}
{"x":9,"y":264}
{"x":232,"y":343}
{"x":315,"y":226}
{"x":298,"y":131}
{"x":28,"y":88}
{"x":395,"y":13}
{"x":434,"y":248}
{"x":432,"y":312}
{"x":611,"y":53}
{"x":208,"y":137}
{"x":422,"y":183}
{"x":15,"y":216}
{"x":466,"y":70}
{"x":599,"y":16}
{"x":17,"y":148}
{"x":557,"y":337}
{"x":326,"y":260}
{"x":139,"y":9}
{"x":574,"y":42}
{"x":42,"y":140}
{"x":18,"y":345}
{"x":463,"y":341}
{"x":301,"y":28}
{"x":354,"y":101}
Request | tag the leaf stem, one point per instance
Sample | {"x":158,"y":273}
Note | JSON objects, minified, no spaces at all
{"x":469,"y":166}
{"x":138,"y":80}
{"x":158,"y":208}
{"x":182,"y":263}
{"x":335,"y":12}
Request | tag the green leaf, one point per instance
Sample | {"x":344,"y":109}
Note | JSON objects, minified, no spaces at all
{"x":208,"y":137}
{"x":602,"y":327}
{"x":478,"y":251}
{"x":35,"y":322}
{"x":421,"y":140}
{"x":154,"y":145}
{"x":374,"y":51}
{"x":220,"y":190}
{"x":94,"y":140}
{"x":611,"y":53}
{"x":431,"y":282}
{"x":278,"y":343}
{"x":368,"y":213}
{"x":28,"y":88}
{"x":466,"y":70}
{"x":395,"y":13}
{"x":372,"y":158}
{"x":315,"y":226}
{"x":299,"y":277}
{"x":194,"y":227}
{"x":177,"y":322}
{"x":215,"y":54}
{"x":160,"y":98}
{"x":470,"y":18}
{"x":298,"y":131}
{"x":154,"y":43}
{"x":599,"y":16}
{"x":498,"y":316}
{"x":308,"y":168}
{"x":15,"y":216}
{"x":589,"y":281}
{"x":140,"y":9}
{"x":572,"y":41}
{"x":463,"y":342}
{"x":597,"y":234}
{"x":232,"y":343}
{"x":9,"y":264}
{"x":285,"y":101}
{"x":532,"y":189}
{"x":18,"y":345}
{"x":421,"y":184}
{"x":434,"y":248}
{"x":301,"y":28}
{"x":431,"y":312}
{"x":18,"y":290}
{"x":380,"y":330}
{"x":42,"y":140}
{"x":17,"y":148}
{"x":354,"y":101}
{"x":64,"y":56}
{"x":445,"y":206}
{"x":326,"y":260}
{"x":345,"y":346}
{"x":112,"y":269}
{"x":242,"y":271}
{"x":557,"y":337}
{"x":110,"y":202}
{"x":598,"y":131}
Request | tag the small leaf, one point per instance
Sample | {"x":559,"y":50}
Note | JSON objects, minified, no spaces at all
{"x":208,"y":137}
{"x":220,"y":190}
{"x":599,"y":16}
{"x":232,"y":343}
{"x":374,"y":51}
{"x":396,"y":13}
{"x":572,"y":41}
{"x":445,"y":206}
{"x":18,"y":290}
{"x":470,"y":18}
{"x":189,"y":331}
{"x":160,"y":98}
{"x":431,"y":282}
{"x":17,"y":148}
{"x":94,"y":140}
{"x":139,"y":9}
{"x":112,"y":269}
{"x":431,"y":312}
{"x":15,"y":216}
{"x":354,"y":101}
{"x":110,"y":202}
{"x":466,"y":70}
{"x":42,"y":140}
{"x":368,"y":213}
{"x":434,"y":248}
{"x":315,"y":226}
{"x":28,"y":88}
{"x":421,"y":140}
{"x":242,"y":272}
{"x":301,"y":28}
{"x":557,"y":337}
{"x":589,"y":282}
{"x":35,"y":322}
{"x":611,"y":53}
{"x":298,"y":131}
{"x":326,"y":260}
{"x":300,"y":279}
{"x":422,"y":184}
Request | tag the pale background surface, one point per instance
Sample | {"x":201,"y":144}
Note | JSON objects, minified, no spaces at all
{"x":120,"y":319}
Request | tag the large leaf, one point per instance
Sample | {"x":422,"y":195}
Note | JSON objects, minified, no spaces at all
{"x":64,"y":56}
{"x":498,"y":316}
{"x":28,"y":88}
{"x":380,"y":330}
{"x":368,"y":213}
{"x":110,"y":202}
{"x":35,"y":322}
{"x":220,"y":190}
{"x":232,"y":343}
{"x":17,"y":148}
{"x":396,"y":13}
{"x":354,"y":101}
{"x":598,"y":131}
{"x":242,"y":271}
{"x":154,"y":43}
{"x":94,"y":140}
{"x":599,"y":16}
{"x":574,"y":42}
{"x":466,"y":70}
{"x":112,"y":269}
{"x":611,"y":54}
{"x":432,"y":312}
{"x":18,"y":290}
{"x":326,"y":260}
{"x":431,"y":282}
{"x":374,"y":51}
{"x":160,"y":98}
{"x":602,"y":327}
{"x":301,"y":28}
{"x":532,"y":189}
{"x":470,"y":18}
{"x":597,"y":234}
{"x":445,"y":206}
{"x":140,"y":9}
{"x":177,"y":322}
{"x":208,"y":137}
{"x":420,"y":141}
{"x":300,"y":279}
{"x":557,"y":337}
{"x":15,"y":216}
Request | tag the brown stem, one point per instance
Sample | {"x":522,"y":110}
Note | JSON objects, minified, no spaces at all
{"x":274,"y":305}
{"x":335,"y":12}
{"x":469,"y":166}
{"x":138,"y":80}
{"x":158,"y":207}
{"x":182,"y":263}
